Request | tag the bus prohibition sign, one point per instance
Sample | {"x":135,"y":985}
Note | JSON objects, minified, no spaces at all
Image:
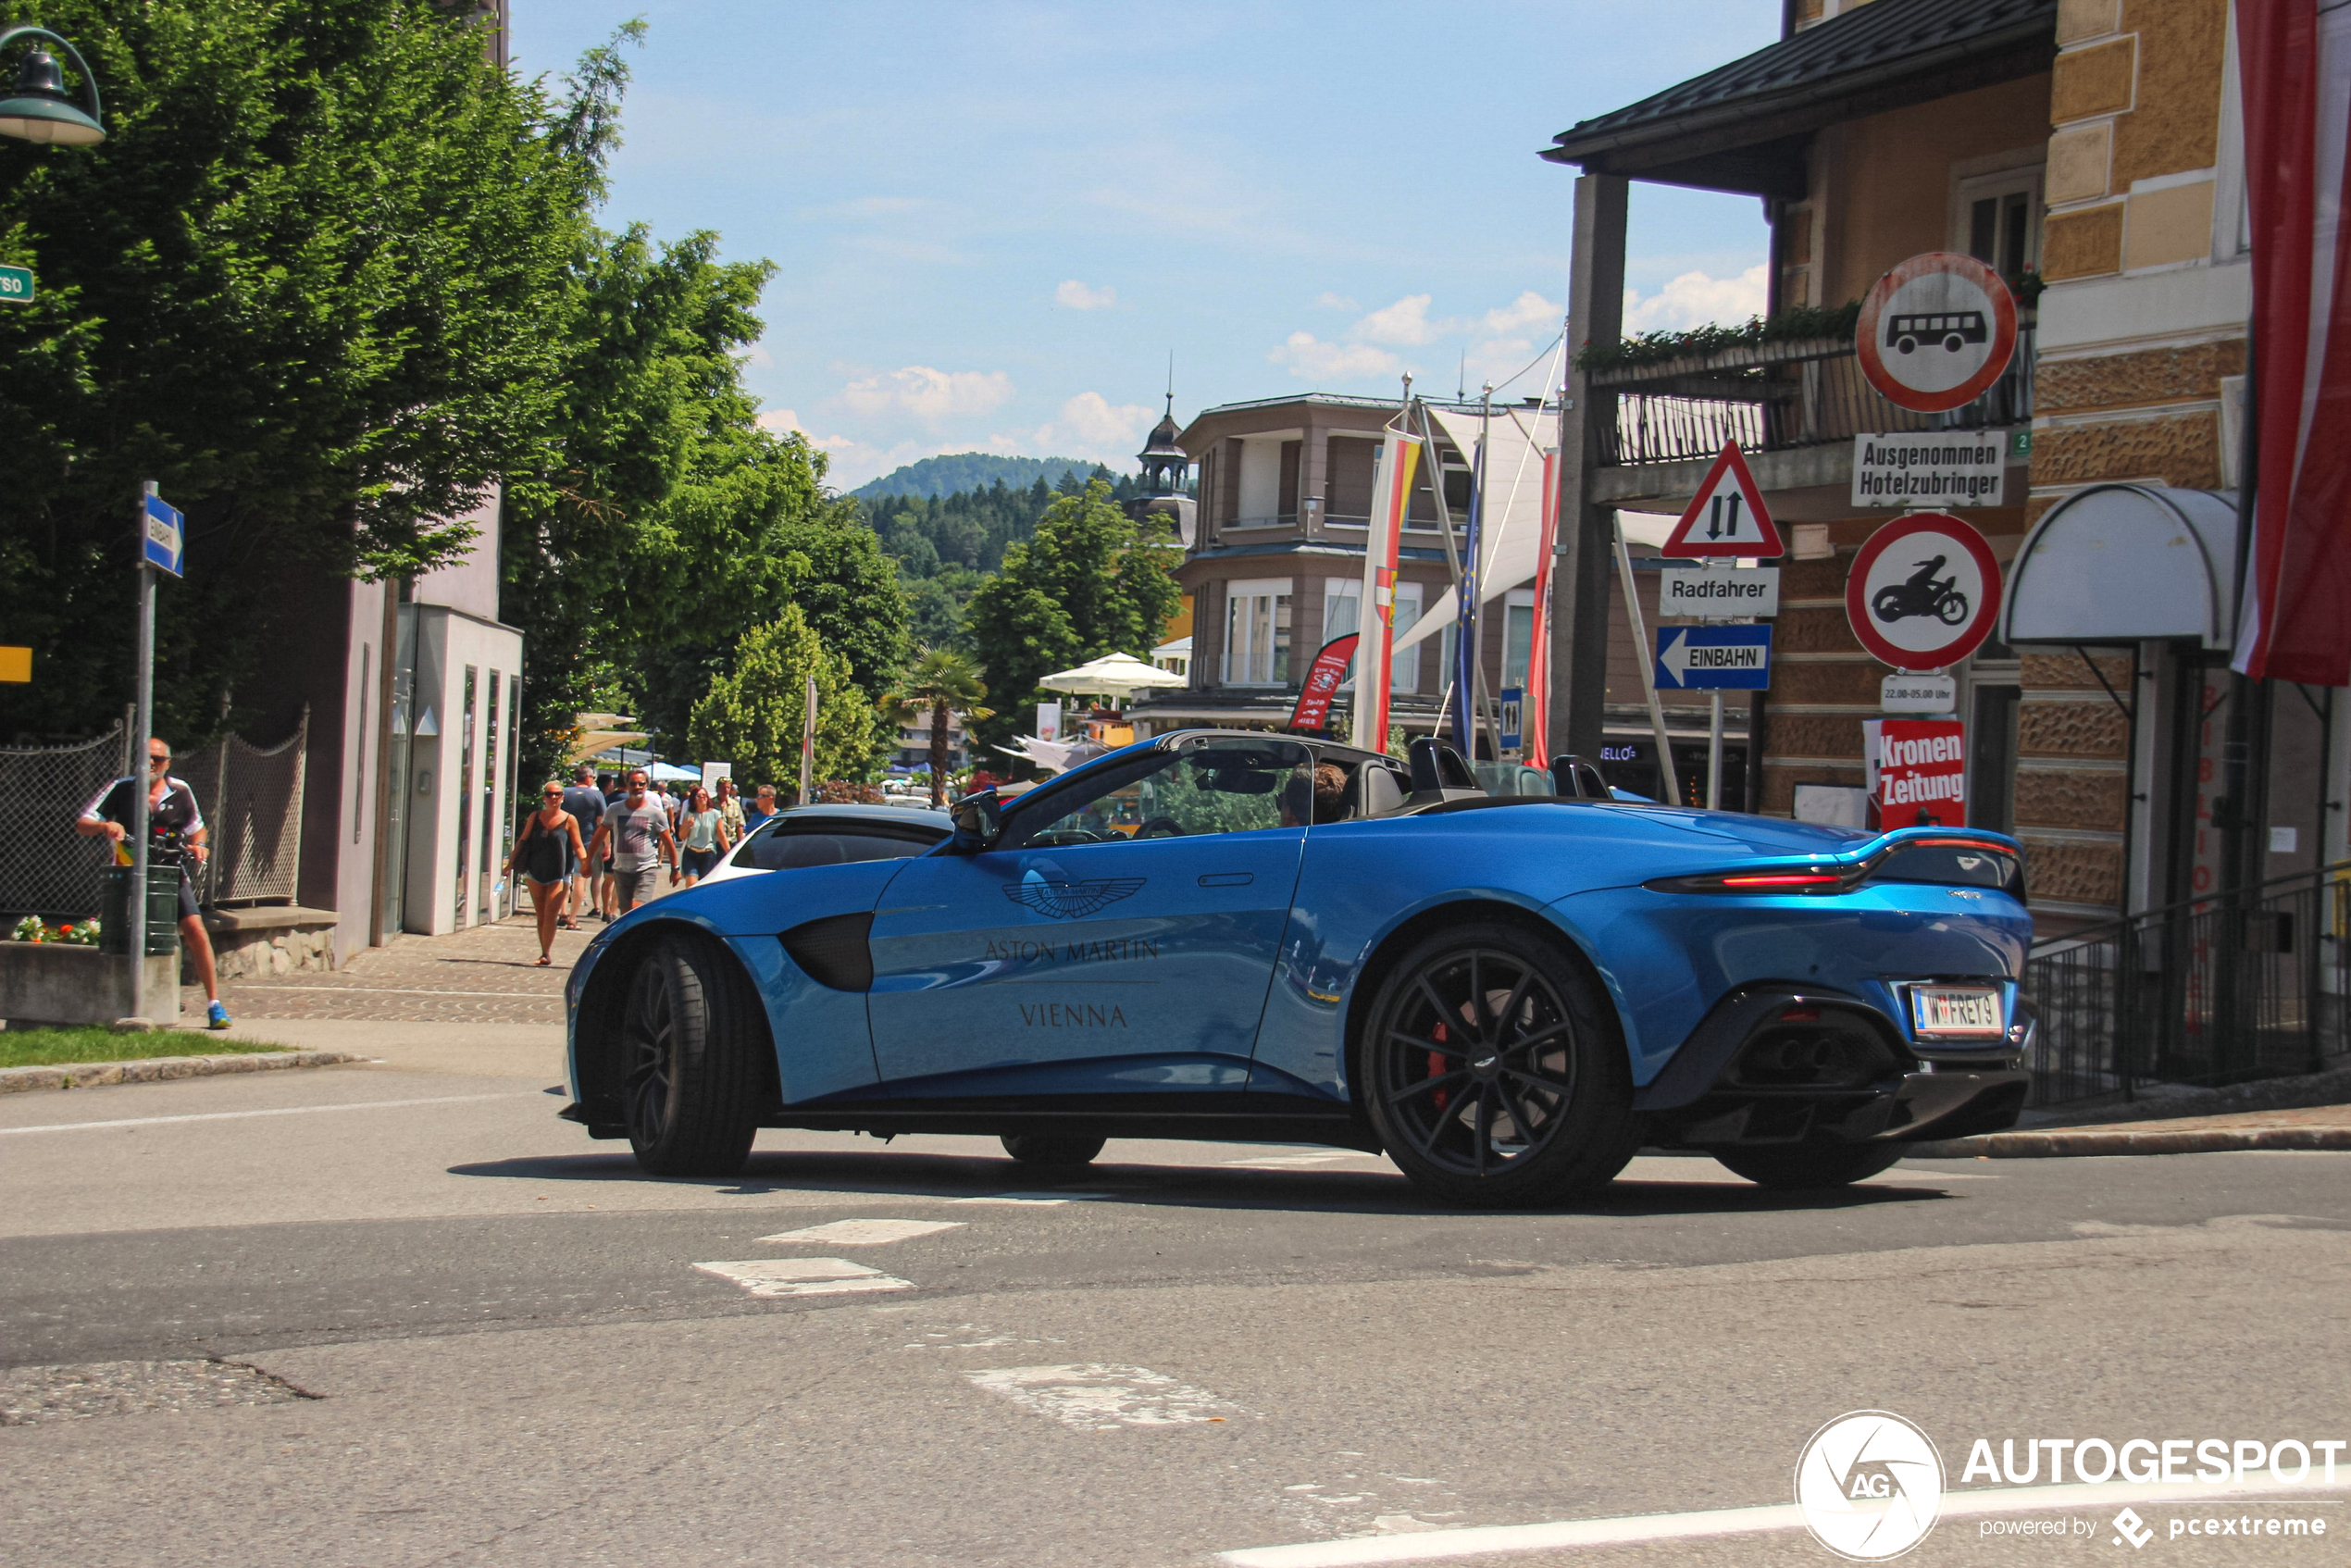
{"x":1937,"y":331}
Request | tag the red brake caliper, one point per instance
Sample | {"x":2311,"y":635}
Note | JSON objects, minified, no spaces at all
{"x":1437,"y":1067}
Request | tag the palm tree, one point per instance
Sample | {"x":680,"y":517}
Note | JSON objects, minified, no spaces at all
{"x":943,"y":681}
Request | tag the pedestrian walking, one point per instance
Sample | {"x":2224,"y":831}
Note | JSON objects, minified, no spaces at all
{"x":607,"y":897}
{"x":637,"y":833}
{"x":762,"y":807}
{"x":548,"y":855}
{"x":586,"y":804}
{"x":731,"y":809}
{"x":704,"y":838}
{"x":174,"y":835}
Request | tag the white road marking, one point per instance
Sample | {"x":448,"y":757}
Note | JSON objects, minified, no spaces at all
{"x":1035,"y":1200}
{"x":1487,"y":1541}
{"x":1094,"y":1397}
{"x":282,"y":1111}
{"x":804,"y":1277}
{"x":1297,"y":1162}
{"x":861,"y":1232}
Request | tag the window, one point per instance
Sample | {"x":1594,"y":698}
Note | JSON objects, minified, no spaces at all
{"x":1342,"y":613}
{"x":1212,"y":787}
{"x":1257,"y":632}
{"x":1999,"y":220}
{"x":786,"y":846}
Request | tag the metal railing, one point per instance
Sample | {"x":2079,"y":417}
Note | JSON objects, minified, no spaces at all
{"x":46,"y":867}
{"x":251,"y":797}
{"x":1776,"y":397}
{"x":2209,"y":991}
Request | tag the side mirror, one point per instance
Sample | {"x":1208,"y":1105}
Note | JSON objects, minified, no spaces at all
{"x":979,"y":822}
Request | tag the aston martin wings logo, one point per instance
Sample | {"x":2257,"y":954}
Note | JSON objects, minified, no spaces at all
{"x":1070,"y":900}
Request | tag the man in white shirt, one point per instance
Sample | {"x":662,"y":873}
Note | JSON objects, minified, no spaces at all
{"x":638,"y":833}
{"x":175,"y":834}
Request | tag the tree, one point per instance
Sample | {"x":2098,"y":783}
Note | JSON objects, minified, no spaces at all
{"x":1092,"y":582}
{"x":944,"y":681}
{"x":752,"y":715}
{"x":658,"y":522}
{"x":315,"y":282}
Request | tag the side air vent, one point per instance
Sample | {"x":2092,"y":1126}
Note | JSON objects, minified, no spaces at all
{"x":834,"y":952}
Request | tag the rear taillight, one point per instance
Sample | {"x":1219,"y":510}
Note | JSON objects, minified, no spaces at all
{"x":1794,"y":879}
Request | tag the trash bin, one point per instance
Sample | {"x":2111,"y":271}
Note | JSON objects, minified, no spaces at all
{"x":163,"y":910}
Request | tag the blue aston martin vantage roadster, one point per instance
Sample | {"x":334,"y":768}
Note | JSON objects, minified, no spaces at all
{"x":1241,"y":936}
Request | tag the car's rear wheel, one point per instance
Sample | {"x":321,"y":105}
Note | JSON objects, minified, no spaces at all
{"x":1053,"y":1148}
{"x":1793,"y":1167}
{"x":1493,"y":1072}
{"x":690,"y":1085}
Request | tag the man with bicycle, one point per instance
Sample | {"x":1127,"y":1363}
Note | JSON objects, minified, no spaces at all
{"x":175,"y":831}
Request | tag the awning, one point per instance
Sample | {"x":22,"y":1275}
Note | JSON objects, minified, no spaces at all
{"x":1511,"y":527}
{"x":2127,"y":563}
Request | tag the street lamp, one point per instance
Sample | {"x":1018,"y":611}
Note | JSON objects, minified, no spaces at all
{"x":37,"y":108}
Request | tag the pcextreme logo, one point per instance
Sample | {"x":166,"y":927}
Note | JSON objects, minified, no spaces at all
{"x":1870,"y":1486}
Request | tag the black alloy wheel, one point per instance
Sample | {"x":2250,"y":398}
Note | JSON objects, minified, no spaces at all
{"x":1066,"y":1148}
{"x":688,"y":1044}
{"x":1793,"y":1167}
{"x":1495,"y":1074}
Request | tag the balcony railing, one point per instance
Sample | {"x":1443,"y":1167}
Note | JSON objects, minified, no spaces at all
{"x":1776,"y":397}
{"x":2211,"y":992}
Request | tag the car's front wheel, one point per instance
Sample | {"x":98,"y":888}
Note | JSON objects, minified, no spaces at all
{"x":1053,"y":1148}
{"x":1793,"y":1167}
{"x":689,"y":1045}
{"x":1493,"y":1071}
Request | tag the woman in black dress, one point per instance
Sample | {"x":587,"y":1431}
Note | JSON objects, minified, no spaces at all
{"x":545,"y":856}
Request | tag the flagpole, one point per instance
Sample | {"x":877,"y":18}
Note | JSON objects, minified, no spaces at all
{"x":1645,"y":657}
{"x":141,"y":773}
{"x":808,"y":742}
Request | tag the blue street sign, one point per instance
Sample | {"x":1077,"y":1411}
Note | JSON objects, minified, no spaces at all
{"x":1713,"y":658}
{"x":167,"y":540}
{"x":1513,"y":703}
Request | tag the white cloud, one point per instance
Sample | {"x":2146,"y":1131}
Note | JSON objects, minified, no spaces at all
{"x":1530,"y":309}
{"x":928,"y":394}
{"x":1078,"y":296}
{"x":1406,"y":321}
{"x":1694,"y":299}
{"x":1305,"y":355}
{"x":1088,"y":425}
{"x":1329,"y":301}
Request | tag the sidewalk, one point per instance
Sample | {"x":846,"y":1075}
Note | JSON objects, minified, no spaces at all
{"x":2314,"y":1127}
{"x":473,"y":1002}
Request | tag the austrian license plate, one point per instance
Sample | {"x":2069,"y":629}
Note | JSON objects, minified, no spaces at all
{"x":1957,"y":1012}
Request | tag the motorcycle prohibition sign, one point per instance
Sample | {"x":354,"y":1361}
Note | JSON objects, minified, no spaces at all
{"x":1922,"y":595}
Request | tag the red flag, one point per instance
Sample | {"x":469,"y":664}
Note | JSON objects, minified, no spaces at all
{"x":1534,"y":720}
{"x":1314,"y":710}
{"x":2295,"y":623}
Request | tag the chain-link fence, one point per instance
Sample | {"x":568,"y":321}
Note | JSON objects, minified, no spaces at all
{"x":47,"y":868}
{"x":251,"y":801}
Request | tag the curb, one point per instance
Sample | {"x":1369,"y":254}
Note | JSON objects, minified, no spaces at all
{"x":160,"y":1069}
{"x":2063,"y":1145}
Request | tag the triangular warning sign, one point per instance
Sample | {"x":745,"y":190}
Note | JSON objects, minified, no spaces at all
{"x":1726,"y":517}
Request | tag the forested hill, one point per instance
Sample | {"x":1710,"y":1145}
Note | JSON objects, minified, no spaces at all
{"x":935,"y":476}
{"x":947,"y":545}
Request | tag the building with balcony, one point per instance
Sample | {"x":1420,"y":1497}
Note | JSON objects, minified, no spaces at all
{"x":2093,"y":152}
{"x":1273,"y":568}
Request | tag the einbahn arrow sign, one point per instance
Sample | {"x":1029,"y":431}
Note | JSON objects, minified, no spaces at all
{"x":1713,"y":658}
{"x":1727,"y":516}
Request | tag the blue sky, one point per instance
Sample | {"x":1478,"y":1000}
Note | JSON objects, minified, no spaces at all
{"x":993,"y":220}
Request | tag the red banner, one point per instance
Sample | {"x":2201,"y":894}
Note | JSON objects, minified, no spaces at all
{"x":1535,"y":718}
{"x":1314,"y":710}
{"x":2295,"y":623}
{"x":1917,"y":772}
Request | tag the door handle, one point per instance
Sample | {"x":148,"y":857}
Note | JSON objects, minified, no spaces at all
{"x":1228,"y":879}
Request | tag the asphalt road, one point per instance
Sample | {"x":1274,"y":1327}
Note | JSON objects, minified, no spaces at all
{"x":456,"y":1331}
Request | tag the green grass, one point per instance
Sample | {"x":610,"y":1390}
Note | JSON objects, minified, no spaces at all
{"x":56,"y":1047}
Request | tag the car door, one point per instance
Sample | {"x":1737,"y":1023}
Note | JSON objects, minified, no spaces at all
{"x":1119,"y":939}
